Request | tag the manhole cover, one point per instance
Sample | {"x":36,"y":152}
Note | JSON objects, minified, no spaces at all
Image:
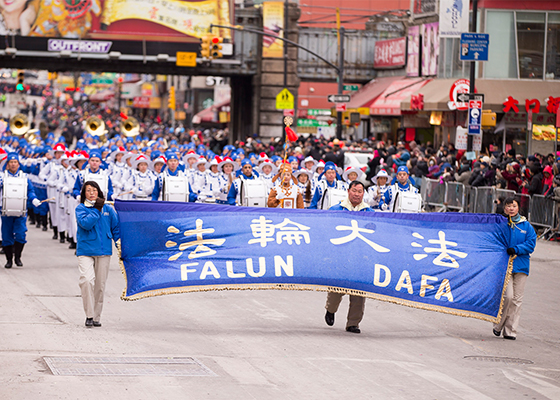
{"x":114,"y":366}
{"x":507,"y":360}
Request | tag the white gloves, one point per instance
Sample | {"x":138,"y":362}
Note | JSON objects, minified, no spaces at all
{"x":36,"y":202}
{"x":384,"y":207}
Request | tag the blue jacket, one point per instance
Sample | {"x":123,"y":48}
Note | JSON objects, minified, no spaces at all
{"x":523,"y":240}
{"x":96,"y":230}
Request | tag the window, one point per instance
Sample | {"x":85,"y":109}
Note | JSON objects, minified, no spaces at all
{"x":530,"y":44}
{"x":553,"y":47}
{"x":502,"y":60}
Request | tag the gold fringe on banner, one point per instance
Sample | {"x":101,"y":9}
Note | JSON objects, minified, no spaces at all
{"x":318,"y":288}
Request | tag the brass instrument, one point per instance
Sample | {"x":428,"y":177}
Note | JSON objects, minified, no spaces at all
{"x":96,"y":127}
{"x":19,"y":124}
{"x":33,"y":136}
{"x":130,"y":127}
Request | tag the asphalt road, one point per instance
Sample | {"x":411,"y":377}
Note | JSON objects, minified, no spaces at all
{"x":264,"y":344}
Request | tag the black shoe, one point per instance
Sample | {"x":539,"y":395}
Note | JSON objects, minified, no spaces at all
{"x":38,"y":225}
{"x":55,"y":233}
{"x":18,"y":248}
{"x":353,"y":329}
{"x":62,"y":237}
{"x":72,"y":244}
{"x":9,"y":251}
{"x":9,"y":264}
{"x":329,"y":318}
{"x":496,"y":333}
{"x":96,"y":323}
{"x":509,"y":337}
{"x":45,"y":229}
{"x":89,"y":322}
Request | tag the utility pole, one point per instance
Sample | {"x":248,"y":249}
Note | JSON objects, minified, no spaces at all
{"x":473,"y":67}
{"x":340,"y":80}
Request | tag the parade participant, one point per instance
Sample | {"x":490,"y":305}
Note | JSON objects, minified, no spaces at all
{"x":77,"y":162}
{"x":286,"y":192}
{"x":33,"y":169}
{"x":213,"y":177}
{"x":247,"y":174}
{"x":190,"y":160}
{"x":402,"y":185}
{"x":309,"y":162}
{"x":198,"y":176}
{"x":294,"y":162}
{"x":98,"y":226}
{"x":521,"y":244}
{"x":142,"y":181}
{"x":305,"y":184}
{"x":377,"y":191}
{"x":52,"y":173}
{"x":329,"y":189}
{"x":172,"y":184}
{"x":116,"y":169}
{"x":227,"y":175}
{"x":93,"y":172}
{"x":354,"y":202}
{"x":158,"y":164}
{"x":16,"y":187}
{"x":60,"y":180}
{"x":267,"y":172}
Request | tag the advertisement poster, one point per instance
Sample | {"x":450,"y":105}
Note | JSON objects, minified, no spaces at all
{"x":413,"y":62}
{"x":156,"y":20}
{"x":430,"y":48}
{"x":453,"y":18}
{"x":273,"y":23}
{"x":390,"y":53}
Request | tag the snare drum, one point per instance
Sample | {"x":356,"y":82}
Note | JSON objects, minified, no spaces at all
{"x":253,"y":193}
{"x":407,"y":202}
{"x":175,"y":188}
{"x":14,"y":198}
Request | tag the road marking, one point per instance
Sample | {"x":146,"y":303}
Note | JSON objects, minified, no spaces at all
{"x":241,"y":370}
{"x":523,"y":378}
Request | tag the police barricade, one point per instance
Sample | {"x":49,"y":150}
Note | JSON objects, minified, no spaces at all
{"x":542,"y":212}
{"x":455,"y":196}
{"x":524,"y":201}
{"x":484,"y":202}
{"x":502,"y":194}
{"x":470,"y":198}
{"x":433,"y":194}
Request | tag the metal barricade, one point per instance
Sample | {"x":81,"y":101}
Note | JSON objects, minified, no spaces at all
{"x":455,"y":196}
{"x":542,"y":212}
{"x":524,"y":201}
{"x":484,"y":202}
{"x":470,"y":198}
{"x":433,"y":194}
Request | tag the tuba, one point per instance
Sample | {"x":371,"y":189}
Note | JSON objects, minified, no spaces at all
{"x":33,"y":136}
{"x":19,"y":124}
{"x":96,"y":127}
{"x":130,"y":127}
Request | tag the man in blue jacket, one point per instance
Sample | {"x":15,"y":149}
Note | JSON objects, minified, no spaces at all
{"x":521,"y":244}
{"x":354,"y":202}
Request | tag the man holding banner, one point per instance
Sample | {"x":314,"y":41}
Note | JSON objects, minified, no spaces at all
{"x":354,"y":202}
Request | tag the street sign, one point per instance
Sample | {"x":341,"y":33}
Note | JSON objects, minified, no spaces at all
{"x":289,"y":113}
{"x":338,"y":98}
{"x":475,"y":117}
{"x":340,"y":107}
{"x":474,"y":46}
{"x":285,"y":100}
{"x":351,"y":88}
{"x":186,"y":59}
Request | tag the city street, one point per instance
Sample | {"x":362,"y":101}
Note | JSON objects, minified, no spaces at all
{"x":264,"y":344}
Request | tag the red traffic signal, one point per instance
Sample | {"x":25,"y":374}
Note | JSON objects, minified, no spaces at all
{"x":72,"y":89}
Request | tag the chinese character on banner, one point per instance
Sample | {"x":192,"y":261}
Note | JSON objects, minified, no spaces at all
{"x":533,"y":105}
{"x":264,"y":231}
{"x":511,"y":104}
{"x":356,"y":233}
{"x":552,"y":104}
{"x":444,"y":258}
{"x":201,"y":249}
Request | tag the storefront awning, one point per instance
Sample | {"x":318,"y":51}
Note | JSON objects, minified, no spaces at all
{"x":370,"y":91}
{"x":496,"y":91}
{"x":389,"y":102}
{"x":210,"y":114}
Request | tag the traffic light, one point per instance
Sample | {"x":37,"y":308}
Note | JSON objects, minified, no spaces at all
{"x":216,"y":47}
{"x":171,"y":98}
{"x":19,"y":85}
{"x":205,"y":46}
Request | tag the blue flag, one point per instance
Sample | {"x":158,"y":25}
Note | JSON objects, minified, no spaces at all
{"x":447,"y":262}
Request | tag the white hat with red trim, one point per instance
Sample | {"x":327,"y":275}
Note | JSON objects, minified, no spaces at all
{"x":227,"y":160}
{"x":348,"y":170}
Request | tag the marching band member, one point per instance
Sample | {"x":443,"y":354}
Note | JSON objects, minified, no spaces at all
{"x":52,"y":172}
{"x":213,"y":179}
{"x":329,"y":188}
{"x":158,"y":163}
{"x":198,"y":176}
{"x":354,"y":202}
{"x":353,"y":174}
{"x":286,"y":192}
{"x":267,"y":171}
{"x":116,"y":168}
{"x":308,"y":163}
{"x":142,"y":180}
{"x":247,"y":174}
{"x":377,"y":191}
{"x":172,"y":184}
{"x":13,"y":209}
{"x":402,"y":185}
{"x":318,"y":169}
{"x":294,"y":162}
{"x":77,"y":163}
{"x":227,"y":170}
{"x":305,"y":184}
{"x":93,"y":172}
{"x":33,"y":169}
{"x":62,"y":186}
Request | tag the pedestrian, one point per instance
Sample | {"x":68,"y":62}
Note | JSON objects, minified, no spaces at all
{"x":521,"y":244}
{"x":97,"y":225}
{"x":354,"y":202}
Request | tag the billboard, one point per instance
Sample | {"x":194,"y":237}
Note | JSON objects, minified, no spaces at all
{"x":106,"y":20}
{"x":413,"y":53}
{"x":273,"y":23}
{"x":390,"y":53}
{"x":453,"y":18}
{"x":430,"y":48}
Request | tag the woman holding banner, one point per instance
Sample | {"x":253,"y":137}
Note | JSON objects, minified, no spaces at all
{"x":97,"y":225}
{"x":522,"y":243}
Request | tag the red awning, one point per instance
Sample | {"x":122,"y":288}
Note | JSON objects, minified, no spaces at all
{"x":102,"y":96}
{"x":369,"y":92}
{"x":209,"y":114}
{"x":389,"y":102}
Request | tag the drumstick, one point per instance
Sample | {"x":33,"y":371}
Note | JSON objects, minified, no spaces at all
{"x":52,"y":198}
{"x":122,"y":194}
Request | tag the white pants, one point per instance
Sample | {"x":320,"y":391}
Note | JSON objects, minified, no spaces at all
{"x":512,"y":305}
{"x":93,"y":276}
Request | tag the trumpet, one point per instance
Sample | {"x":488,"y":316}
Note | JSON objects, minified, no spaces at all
{"x":19,"y":124}
{"x":96,"y":127}
{"x":130,"y":127}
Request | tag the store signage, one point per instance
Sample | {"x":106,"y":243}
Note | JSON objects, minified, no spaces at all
{"x":534,"y":105}
{"x":458,"y":87}
{"x":390,"y":53}
{"x":413,"y":51}
{"x":475,"y":117}
{"x":79,"y":46}
{"x":453,"y":18}
{"x":474,"y":46}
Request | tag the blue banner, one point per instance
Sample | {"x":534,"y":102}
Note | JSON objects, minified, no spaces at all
{"x":447,"y":262}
